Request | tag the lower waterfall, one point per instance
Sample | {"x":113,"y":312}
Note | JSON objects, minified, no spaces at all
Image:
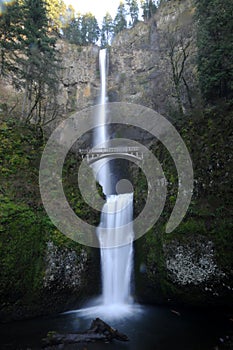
{"x":116,"y":262}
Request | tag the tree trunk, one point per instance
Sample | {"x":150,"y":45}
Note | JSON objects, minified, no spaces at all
{"x":99,"y":331}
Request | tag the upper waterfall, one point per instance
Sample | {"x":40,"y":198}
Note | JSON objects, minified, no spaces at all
{"x":101,"y":168}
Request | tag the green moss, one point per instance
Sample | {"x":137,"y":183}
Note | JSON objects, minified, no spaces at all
{"x":25,"y":227}
{"x":208,"y":137}
{"x":72,"y":191}
{"x":189,"y":226}
{"x":23,"y":237}
{"x":221,"y":233}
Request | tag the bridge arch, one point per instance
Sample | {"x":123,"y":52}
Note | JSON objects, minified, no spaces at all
{"x":95,"y":158}
{"x":95,"y":154}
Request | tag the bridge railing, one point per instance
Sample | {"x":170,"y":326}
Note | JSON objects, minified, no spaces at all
{"x":94,"y":154}
{"x":110,"y":150}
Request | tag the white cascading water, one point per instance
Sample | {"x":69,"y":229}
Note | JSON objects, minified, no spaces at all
{"x":101,"y":168}
{"x":115,"y":230}
{"x":115,"y":225}
{"x":116,"y":263}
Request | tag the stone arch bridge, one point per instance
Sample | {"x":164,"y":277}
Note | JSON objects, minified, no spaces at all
{"x":94,"y":154}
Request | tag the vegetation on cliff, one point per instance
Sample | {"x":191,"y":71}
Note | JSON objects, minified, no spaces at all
{"x":201,"y":245}
{"x":193,"y":264}
{"x":28,"y":57}
{"x":215,"y":47}
{"x":28,"y":238}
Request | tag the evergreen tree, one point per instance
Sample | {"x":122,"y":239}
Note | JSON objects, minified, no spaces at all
{"x":55,"y":12}
{"x":89,"y":29}
{"x":38,"y":68}
{"x":29,"y":51}
{"x":133,"y":11}
{"x":215,"y":48}
{"x":70,"y":13}
{"x":107,"y":30}
{"x":72,"y":27}
{"x":148,"y":9}
{"x":120,"y":22}
{"x":11,"y":32}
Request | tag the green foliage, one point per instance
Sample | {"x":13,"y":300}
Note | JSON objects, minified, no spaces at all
{"x":221,"y":233}
{"x":215,"y":48}
{"x":154,"y":241}
{"x":153,"y":247}
{"x":22,"y":250}
{"x":10,"y":28}
{"x":72,"y":29}
{"x":28,"y":55}
{"x":83,"y":29}
{"x":72,"y":192}
{"x":212,"y":154}
{"x":208,"y":136}
{"x":133,"y":11}
{"x":39,"y":69}
{"x":120,"y":22}
{"x":16,"y":155}
{"x":24,"y":234}
{"x":140,"y":191}
{"x":189,"y":227}
{"x":89,"y":29}
{"x":55,"y":11}
{"x":106,"y":30}
{"x":25,"y":228}
{"x":149,"y":8}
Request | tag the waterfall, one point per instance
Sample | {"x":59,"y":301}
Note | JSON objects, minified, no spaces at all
{"x":116,"y":222}
{"x":116,"y":263}
{"x":101,"y":168}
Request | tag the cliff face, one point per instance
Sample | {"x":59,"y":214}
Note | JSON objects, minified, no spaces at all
{"x":79,"y":77}
{"x":140,"y":65}
{"x":153,"y":63}
{"x":134,"y":60}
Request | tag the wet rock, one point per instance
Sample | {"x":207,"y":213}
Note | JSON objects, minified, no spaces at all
{"x":192,"y":264}
{"x":64,"y":267}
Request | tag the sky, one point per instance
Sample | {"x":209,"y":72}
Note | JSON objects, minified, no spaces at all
{"x":97,"y":8}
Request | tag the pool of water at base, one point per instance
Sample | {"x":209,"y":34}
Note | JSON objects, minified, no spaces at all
{"x":148,"y":328}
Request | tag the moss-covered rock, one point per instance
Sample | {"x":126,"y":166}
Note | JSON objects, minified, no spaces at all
{"x":41,"y":270}
{"x":194,"y":264}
